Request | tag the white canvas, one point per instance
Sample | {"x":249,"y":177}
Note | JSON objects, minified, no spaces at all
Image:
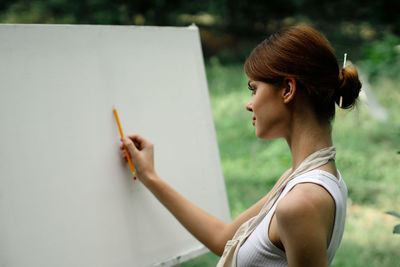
{"x":66,"y":197}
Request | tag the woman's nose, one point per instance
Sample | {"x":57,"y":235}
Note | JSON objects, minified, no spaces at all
{"x":249,"y":106}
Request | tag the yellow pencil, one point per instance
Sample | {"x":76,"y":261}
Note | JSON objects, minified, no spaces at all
{"x":126,"y":150}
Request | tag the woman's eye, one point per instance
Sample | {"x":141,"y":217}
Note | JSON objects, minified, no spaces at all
{"x":252,"y":89}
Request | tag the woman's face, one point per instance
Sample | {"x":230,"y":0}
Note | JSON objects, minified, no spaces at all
{"x":270,"y":113}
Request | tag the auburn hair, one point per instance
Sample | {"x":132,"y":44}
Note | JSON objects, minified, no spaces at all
{"x":304,"y":54}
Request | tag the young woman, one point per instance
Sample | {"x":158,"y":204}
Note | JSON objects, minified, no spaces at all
{"x":296,"y":81}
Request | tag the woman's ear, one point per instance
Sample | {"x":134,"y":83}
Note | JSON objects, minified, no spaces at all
{"x":289,"y":90}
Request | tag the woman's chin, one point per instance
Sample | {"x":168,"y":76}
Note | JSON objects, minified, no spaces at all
{"x":261,"y":135}
{"x":266,"y":135}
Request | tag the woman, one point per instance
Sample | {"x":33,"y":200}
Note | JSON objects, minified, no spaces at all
{"x":296,"y":81}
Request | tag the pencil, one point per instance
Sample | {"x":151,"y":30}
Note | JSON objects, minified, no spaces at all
{"x":126,"y":150}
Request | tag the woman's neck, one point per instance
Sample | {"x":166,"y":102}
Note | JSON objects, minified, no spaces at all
{"x":306,"y":136}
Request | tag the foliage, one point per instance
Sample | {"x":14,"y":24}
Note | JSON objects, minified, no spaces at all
{"x":382,"y":57}
{"x":87,"y":12}
{"x":396,"y":229}
{"x":234,"y":15}
{"x":228,"y":27}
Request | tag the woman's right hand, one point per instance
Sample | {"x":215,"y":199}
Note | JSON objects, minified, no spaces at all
{"x":141,"y":152}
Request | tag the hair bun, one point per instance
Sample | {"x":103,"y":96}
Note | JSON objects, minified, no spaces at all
{"x":349,"y":87}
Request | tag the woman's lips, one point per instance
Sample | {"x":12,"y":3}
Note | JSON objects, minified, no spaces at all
{"x":254,"y":121}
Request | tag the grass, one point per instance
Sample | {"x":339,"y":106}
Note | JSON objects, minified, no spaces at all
{"x":366,"y":157}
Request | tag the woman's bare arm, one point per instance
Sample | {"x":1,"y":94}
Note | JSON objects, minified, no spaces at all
{"x":305,"y":218}
{"x":209,"y":230}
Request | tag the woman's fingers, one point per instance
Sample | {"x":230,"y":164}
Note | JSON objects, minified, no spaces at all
{"x":139,"y":141}
{"x":141,"y":152}
{"x":135,"y":143}
{"x":131,"y":147}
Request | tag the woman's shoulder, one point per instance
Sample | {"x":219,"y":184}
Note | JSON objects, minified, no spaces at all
{"x":305,"y":199}
{"x":304,"y":218}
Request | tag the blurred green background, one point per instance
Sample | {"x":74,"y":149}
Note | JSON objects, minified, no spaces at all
{"x":368,"y":145}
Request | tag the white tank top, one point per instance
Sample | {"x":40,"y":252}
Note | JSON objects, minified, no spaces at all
{"x":258,"y":250}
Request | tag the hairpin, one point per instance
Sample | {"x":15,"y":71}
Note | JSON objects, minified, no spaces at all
{"x":344,"y":64}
